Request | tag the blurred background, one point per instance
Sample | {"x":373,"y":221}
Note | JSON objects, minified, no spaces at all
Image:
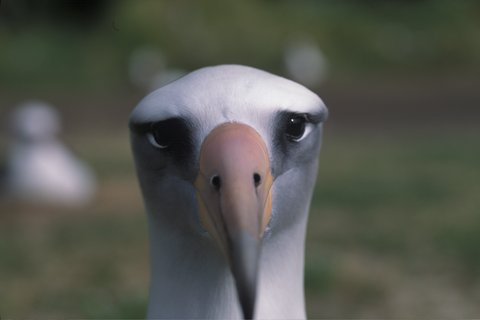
{"x":394,"y":230}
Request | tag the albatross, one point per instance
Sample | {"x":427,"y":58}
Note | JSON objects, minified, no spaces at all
{"x":227,"y":159}
{"x":40,"y":167}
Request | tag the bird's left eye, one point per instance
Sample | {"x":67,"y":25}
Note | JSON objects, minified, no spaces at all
{"x":296,"y":127}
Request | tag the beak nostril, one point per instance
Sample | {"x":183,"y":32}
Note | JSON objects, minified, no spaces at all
{"x":215,"y":181}
{"x":257,"y":179}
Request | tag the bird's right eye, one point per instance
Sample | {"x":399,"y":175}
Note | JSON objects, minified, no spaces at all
{"x":163,"y":134}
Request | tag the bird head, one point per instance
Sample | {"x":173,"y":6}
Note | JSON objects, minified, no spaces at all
{"x":35,"y":121}
{"x":209,"y":149}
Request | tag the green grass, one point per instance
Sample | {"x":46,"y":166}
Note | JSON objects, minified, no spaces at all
{"x":74,"y":267}
{"x":404,"y":206}
{"x":36,"y":52}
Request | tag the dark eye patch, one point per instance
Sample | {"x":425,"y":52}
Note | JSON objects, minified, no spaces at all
{"x":174,"y":135}
{"x":287,"y":128}
{"x":170,"y":133}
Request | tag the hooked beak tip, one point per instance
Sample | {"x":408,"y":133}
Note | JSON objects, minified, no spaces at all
{"x":244,"y":256}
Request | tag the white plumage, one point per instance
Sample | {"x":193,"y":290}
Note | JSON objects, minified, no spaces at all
{"x":147,"y":69}
{"x":40,"y":168}
{"x":304,"y":61}
{"x":227,"y":159}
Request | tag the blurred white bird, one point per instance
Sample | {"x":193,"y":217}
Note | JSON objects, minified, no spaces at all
{"x":40,"y":168}
{"x":304,"y":62}
{"x":148,"y":70}
{"x":227,"y":159}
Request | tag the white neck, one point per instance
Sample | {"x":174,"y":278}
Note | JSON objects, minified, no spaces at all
{"x":191,"y":278}
{"x":280,"y":292}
